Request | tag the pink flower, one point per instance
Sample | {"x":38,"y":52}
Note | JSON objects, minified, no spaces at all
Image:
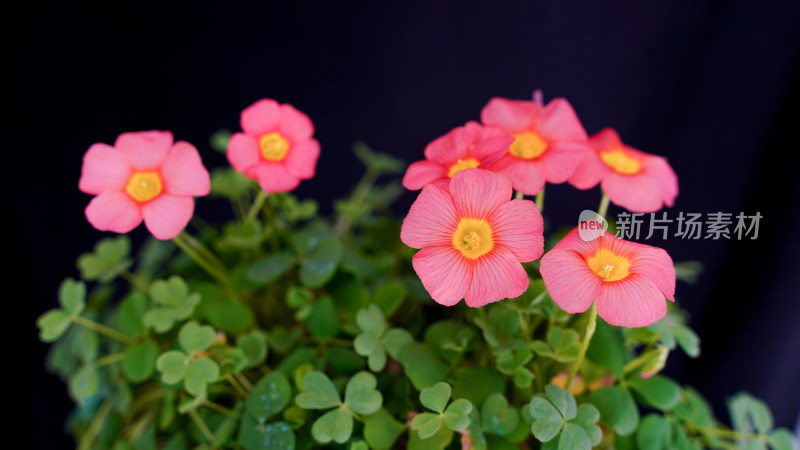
{"x":472,"y":146}
{"x":276,"y":147}
{"x":549,"y":141}
{"x":637,"y":181}
{"x":628,"y":281}
{"x":473,"y":239}
{"x":143,"y":176}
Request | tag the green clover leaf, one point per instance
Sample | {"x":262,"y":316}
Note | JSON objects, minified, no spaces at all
{"x":497,"y":417}
{"x":140,"y":360}
{"x":109,"y":259}
{"x":435,"y":398}
{"x":254,"y":346}
{"x":374,"y":341}
{"x":361,"y":397}
{"x":555,"y":414}
{"x":54,"y":323}
{"x":175,"y":304}
{"x":195,"y":371}
{"x":269,"y":396}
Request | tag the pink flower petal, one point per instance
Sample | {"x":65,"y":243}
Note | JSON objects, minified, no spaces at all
{"x":183,"y":172}
{"x":589,"y":171}
{"x":497,"y":275}
{"x":445,"y":273}
{"x":527,"y":176}
{"x":273,"y":177}
{"x":167,"y":215}
{"x":104,"y":169}
{"x":491,"y":144}
{"x":636,"y":193}
{"x":560,"y":123}
{"x":515,"y":116}
{"x":422,"y":173}
{"x":113,"y":211}
{"x":662,"y":174}
{"x":243,"y":152}
{"x":517,"y":225}
{"x":479,"y":192}
{"x":605,"y":139}
{"x":655,"y":264}
{"x":431,"y":220}
{"x":301,"y":161}
{"x":295,"y":125}
{"x":261,"y":117}
{"x":570,"y":282}
{"x":632,"y":302}
{"x":446,"y":150}
{"x":561,"y":159}
{"x":145,"y":150}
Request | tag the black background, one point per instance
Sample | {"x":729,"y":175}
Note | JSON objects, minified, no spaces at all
{"x":711,"y":85}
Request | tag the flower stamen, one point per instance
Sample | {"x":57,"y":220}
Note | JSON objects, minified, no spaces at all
{"x":621,"y":162}
{"x":527,"y":145}
{"x":473,"y":238}
{"x":463,"y":164}
{"x":273,"y":146}
{"x":144,"y":186}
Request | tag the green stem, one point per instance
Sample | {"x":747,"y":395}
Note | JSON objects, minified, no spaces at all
{"x":109,"y":359}
{"x":203,"y":251}
{"x":180,"y":241}
{"x":519,"y":195}
{"x":244,"y":381}
{"x":238,"y":387}
{"x":324,"y":340}
{"x":344,"y":222}
{"x":540,"y":200}
{"x":603,"y":208}
{"x":590,"y":327}
{"x":257,"y":204}
{"x":95,"y":426}
{"x":221,"y":409}
{"x":202,"y":426}
{"x":727,"y":434}
{"x":136,"y":281}
{"x":102,"y":329}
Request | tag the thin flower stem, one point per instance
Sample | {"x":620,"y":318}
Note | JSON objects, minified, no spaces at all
{"x":344,"y":222}
{"x":199,"y":260}
{"x":243,"y":381}
{"x":519,"y":195}
{"x":257,"y":204}
{"x":590,"y":327}
{"x":727,"y":434}
{"x":95,"y":426}
{"x":109,"y":359}
{"x":221,"y":409}
{"x":603,"y":208}
{"x":204,"y":251}
{"x":540,"y":200}
{"x":102,"y":329}
{"x":324,"y":340}
{"x":236,"y":386}
{"x":202,"y":426}
{"x":136,"y":281}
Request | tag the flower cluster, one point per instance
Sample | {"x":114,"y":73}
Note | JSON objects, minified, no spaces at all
{"x":473,"y":238}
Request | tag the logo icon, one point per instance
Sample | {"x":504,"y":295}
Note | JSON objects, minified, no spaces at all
{"x":591,"y":225}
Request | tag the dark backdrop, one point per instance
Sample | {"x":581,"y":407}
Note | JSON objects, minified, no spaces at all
{"x":712,"y":85}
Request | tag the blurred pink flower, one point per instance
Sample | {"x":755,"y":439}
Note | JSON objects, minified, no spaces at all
{"x":276,"y":147}
{"x":144,"y":176}
{"x":473,"y":239}
{"x":637,"y":181}
{"x":549,"y":141}
{"x":469,"y":147}
{"x":628,"y":281}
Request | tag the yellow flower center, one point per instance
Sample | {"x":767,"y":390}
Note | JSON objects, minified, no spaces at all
{"x":621,"y":162}
{"x":273,"y":146}
{"x":463,"y":164}
{"x":527,"y":145}
{"x":473,"y":238}
{"x":608,"y":265}
{"x":144,"y":186}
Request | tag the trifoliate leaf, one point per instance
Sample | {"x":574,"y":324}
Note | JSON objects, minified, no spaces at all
{"x":617,"y":408}
{"x":270,"y":268}
{"x":653,"y":433}
{"x":175,"y":304}
{"x":657,"y":391}
{"x":273,"y":436}
{"x":497,"y":417}
{"x":421,"y":365}
{"x":562,"y":400}
{"x":456,"y":415}
{"x":109,"y":258}
{"x":395,"y":339}
{"x":548,"y":421}
{"x":320,"y":265}
{"x":84,"y":383}
{"x":573,"y":438}
{"x":749,"y":414}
